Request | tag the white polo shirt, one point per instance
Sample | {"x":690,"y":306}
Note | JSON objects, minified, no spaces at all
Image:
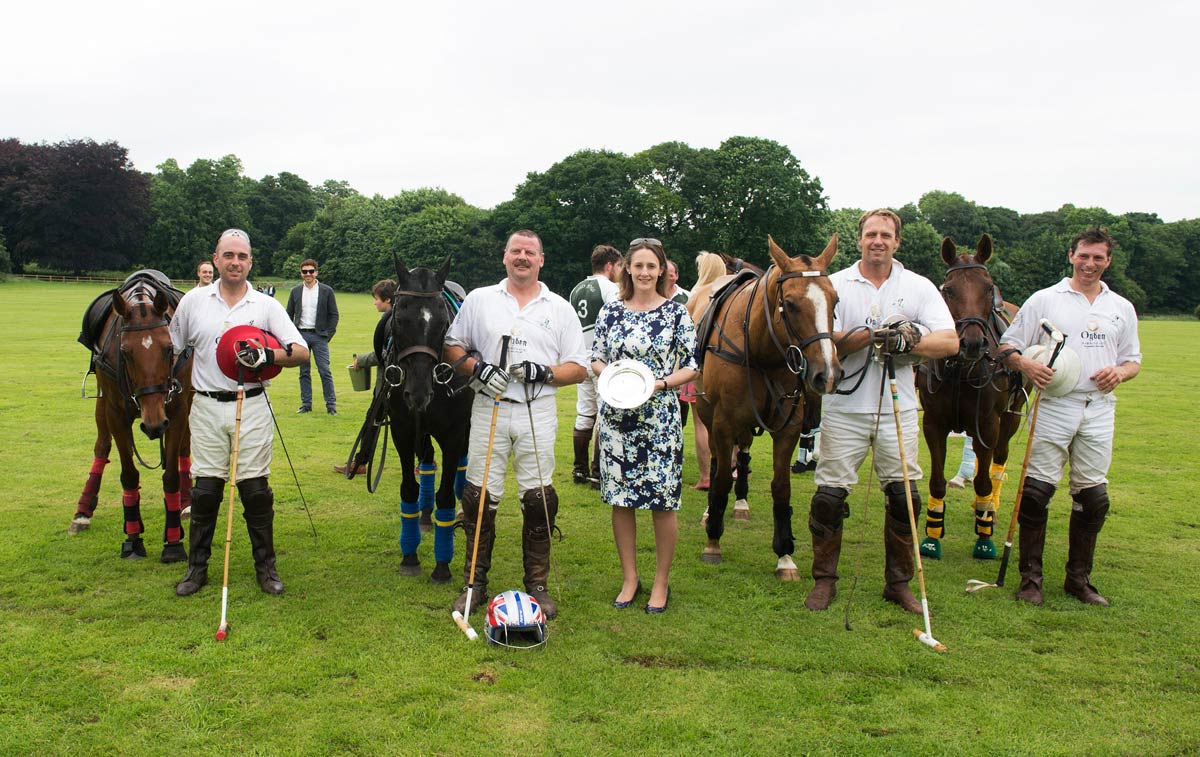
{"x":1103,"y":332}
{"x":859,"y":303}
{"x":202,"y":317}
{"x":308,"y":305}
{"x":545,"y":331}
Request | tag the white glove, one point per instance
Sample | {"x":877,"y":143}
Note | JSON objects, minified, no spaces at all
{"x":490,"y":379}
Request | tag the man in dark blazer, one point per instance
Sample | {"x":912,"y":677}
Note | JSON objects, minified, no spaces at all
{"x":313,"y":308}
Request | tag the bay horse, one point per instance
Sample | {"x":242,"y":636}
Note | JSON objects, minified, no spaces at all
{"x":426,"y":399}
{"x":139,"y":376}
{"x":972,"y":392}
{"x":765,"y":344}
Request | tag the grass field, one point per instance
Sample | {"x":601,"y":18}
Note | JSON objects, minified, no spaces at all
{"x":97,"y":655}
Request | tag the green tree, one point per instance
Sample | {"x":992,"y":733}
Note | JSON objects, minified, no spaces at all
{"x":275,"y":205}
{"x":921,"y":250}
{"x":190,"y":209}
{"x":843,"y":222}
{"x":5,"y":260}
{"x":953,"y":216}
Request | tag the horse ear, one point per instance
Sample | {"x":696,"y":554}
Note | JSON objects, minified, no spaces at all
{"x":444,"y":272}
{"x":118,"y":303}
{"x":949,"y":250}
{"x":401,"y":269}
{"x":778,"y":255}
{"x":161,"y":303}
{"x":822,"y":262}
{"x":984,"y":250}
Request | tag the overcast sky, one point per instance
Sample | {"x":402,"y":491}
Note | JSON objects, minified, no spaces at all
{"x":1028,"y":105}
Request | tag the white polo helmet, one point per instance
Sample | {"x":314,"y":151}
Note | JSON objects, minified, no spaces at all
{"x":515,"y":619}
{"x":1067,"y":368}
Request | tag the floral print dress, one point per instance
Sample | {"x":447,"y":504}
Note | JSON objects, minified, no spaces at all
{"x":641,"y":450}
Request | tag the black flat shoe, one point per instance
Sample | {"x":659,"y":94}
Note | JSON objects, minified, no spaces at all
{"x":652,"y":610}
{"x":622,"y":605}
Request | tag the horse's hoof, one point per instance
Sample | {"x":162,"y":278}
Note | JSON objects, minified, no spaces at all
{"x":174,"y":553}
{"x":79,"y":525}
{"x":711,"y":555}
{"x":787,"y":574}
{"x":741,"y":510}
{"x":931,"y":548}
{"x":985,"y":549}
{"x":440,"y":574}
{"x":426,"y":522}
{"x":410,"y":566}
{"x":133,"y":549}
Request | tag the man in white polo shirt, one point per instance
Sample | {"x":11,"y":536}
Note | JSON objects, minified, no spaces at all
{"x":886,"y":309}
{"x":203,"y":315}
{"x":1101,"y":327}
{"x":587,"y":298}
{"x":546,"y":351}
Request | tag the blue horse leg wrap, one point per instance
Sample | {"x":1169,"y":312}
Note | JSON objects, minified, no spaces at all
{"x":426,"y":474}
{"x":460,"y":478}
{"x":443,"y":534}
{"x":410,"y":528}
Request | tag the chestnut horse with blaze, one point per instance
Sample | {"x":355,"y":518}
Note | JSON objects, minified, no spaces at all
{"x":140,"y":376}
{"x":770,"y":340}
{"x":972,"y":392}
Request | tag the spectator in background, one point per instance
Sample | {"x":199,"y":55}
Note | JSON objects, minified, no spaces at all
{"x":313,"y":309}
{"x":204,"y":274}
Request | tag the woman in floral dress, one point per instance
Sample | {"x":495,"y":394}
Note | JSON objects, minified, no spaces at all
{"x":641,"y":450}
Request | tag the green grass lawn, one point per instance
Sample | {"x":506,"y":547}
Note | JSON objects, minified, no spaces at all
{"x":97,"y":655}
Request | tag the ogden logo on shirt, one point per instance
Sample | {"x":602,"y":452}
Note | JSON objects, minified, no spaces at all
{"x":1091,"y":335}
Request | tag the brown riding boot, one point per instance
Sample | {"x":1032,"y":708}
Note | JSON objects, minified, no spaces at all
{"x":583,"y":440}
{"x":1032,"y":541}
{"x":535,"y":545}
{"x":1079,"y":564}
{"x":826,"y":551}
{"x":898,"y":565}
{"x":487,"y":539}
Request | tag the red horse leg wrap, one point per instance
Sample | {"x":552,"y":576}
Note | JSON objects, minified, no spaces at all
{"x":87,"y":500}
{"x":185,"y":481}
{"x":173,"y":531}
{"x":131,"y":500}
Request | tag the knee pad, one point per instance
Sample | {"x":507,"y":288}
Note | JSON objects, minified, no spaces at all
{"x":1090,"y":507}
{"x":534,"y":514}
{"x":257,"y":497}
{"x":207,"y":494}
{"x":1035,"y":502}
{"x":827,"y":510}
{"x":897,"y":503}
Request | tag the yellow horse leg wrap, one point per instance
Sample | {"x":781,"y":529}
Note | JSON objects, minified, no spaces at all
{"x":935,"y":516}
{"x":984,"y":516}
{"x":998,"y":479}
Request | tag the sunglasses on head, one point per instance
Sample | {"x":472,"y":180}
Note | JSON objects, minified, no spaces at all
{"x":307,"y":271}
{"x":236,"y":233}
{"x":640,"y":241}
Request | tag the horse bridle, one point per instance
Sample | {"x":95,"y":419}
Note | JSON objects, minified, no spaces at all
{"x":393,"y":373}
{"x":964,"y":323}
{"x":173,"y":387}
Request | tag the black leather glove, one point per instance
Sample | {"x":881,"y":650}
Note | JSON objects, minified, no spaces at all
{"x":490,"y":379}
{"x":532,"y":373}
{"x":254,"y":357}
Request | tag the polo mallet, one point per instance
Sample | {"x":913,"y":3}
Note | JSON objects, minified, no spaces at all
{"x":974,"y":585}
{"x":223,"y":628}
{"x":538,"y":458}
{"x":463,"y":621}
{"x":925,"y":638}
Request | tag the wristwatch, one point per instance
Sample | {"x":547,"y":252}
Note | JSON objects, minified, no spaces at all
{"x":549,"y":375}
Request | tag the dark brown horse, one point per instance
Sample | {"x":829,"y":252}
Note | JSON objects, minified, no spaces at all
{"x":140,"y":376}
{"x":770,"y":341}
{"x":971,"y":392}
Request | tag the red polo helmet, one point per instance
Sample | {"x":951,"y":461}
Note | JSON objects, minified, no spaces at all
{"x":237,"y":337}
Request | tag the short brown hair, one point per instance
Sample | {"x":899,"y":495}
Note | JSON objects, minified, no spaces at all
{"x":1095,"y":235}
{"x":525,"y":233}
{"x":660,"y":286}
{"x":883,"y":213}
{"x":602,"y":255}
{"x":310,"y":262}
{"x":385,"y":290}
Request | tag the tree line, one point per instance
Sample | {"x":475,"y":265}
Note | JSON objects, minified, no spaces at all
{"x":80,"y":206}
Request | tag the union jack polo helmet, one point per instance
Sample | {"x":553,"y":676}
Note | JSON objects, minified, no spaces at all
{"x":515,"y":619}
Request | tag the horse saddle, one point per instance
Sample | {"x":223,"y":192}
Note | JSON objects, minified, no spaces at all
{"x":723,"y":289}
{"x":92,"y":333}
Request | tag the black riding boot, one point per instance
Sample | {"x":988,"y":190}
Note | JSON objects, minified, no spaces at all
{"x":258,"y":501}
{"x":583,"y":440}
{"x":535,"y":544}
{"x":483,"y":558}
{"x":206,"y":505}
